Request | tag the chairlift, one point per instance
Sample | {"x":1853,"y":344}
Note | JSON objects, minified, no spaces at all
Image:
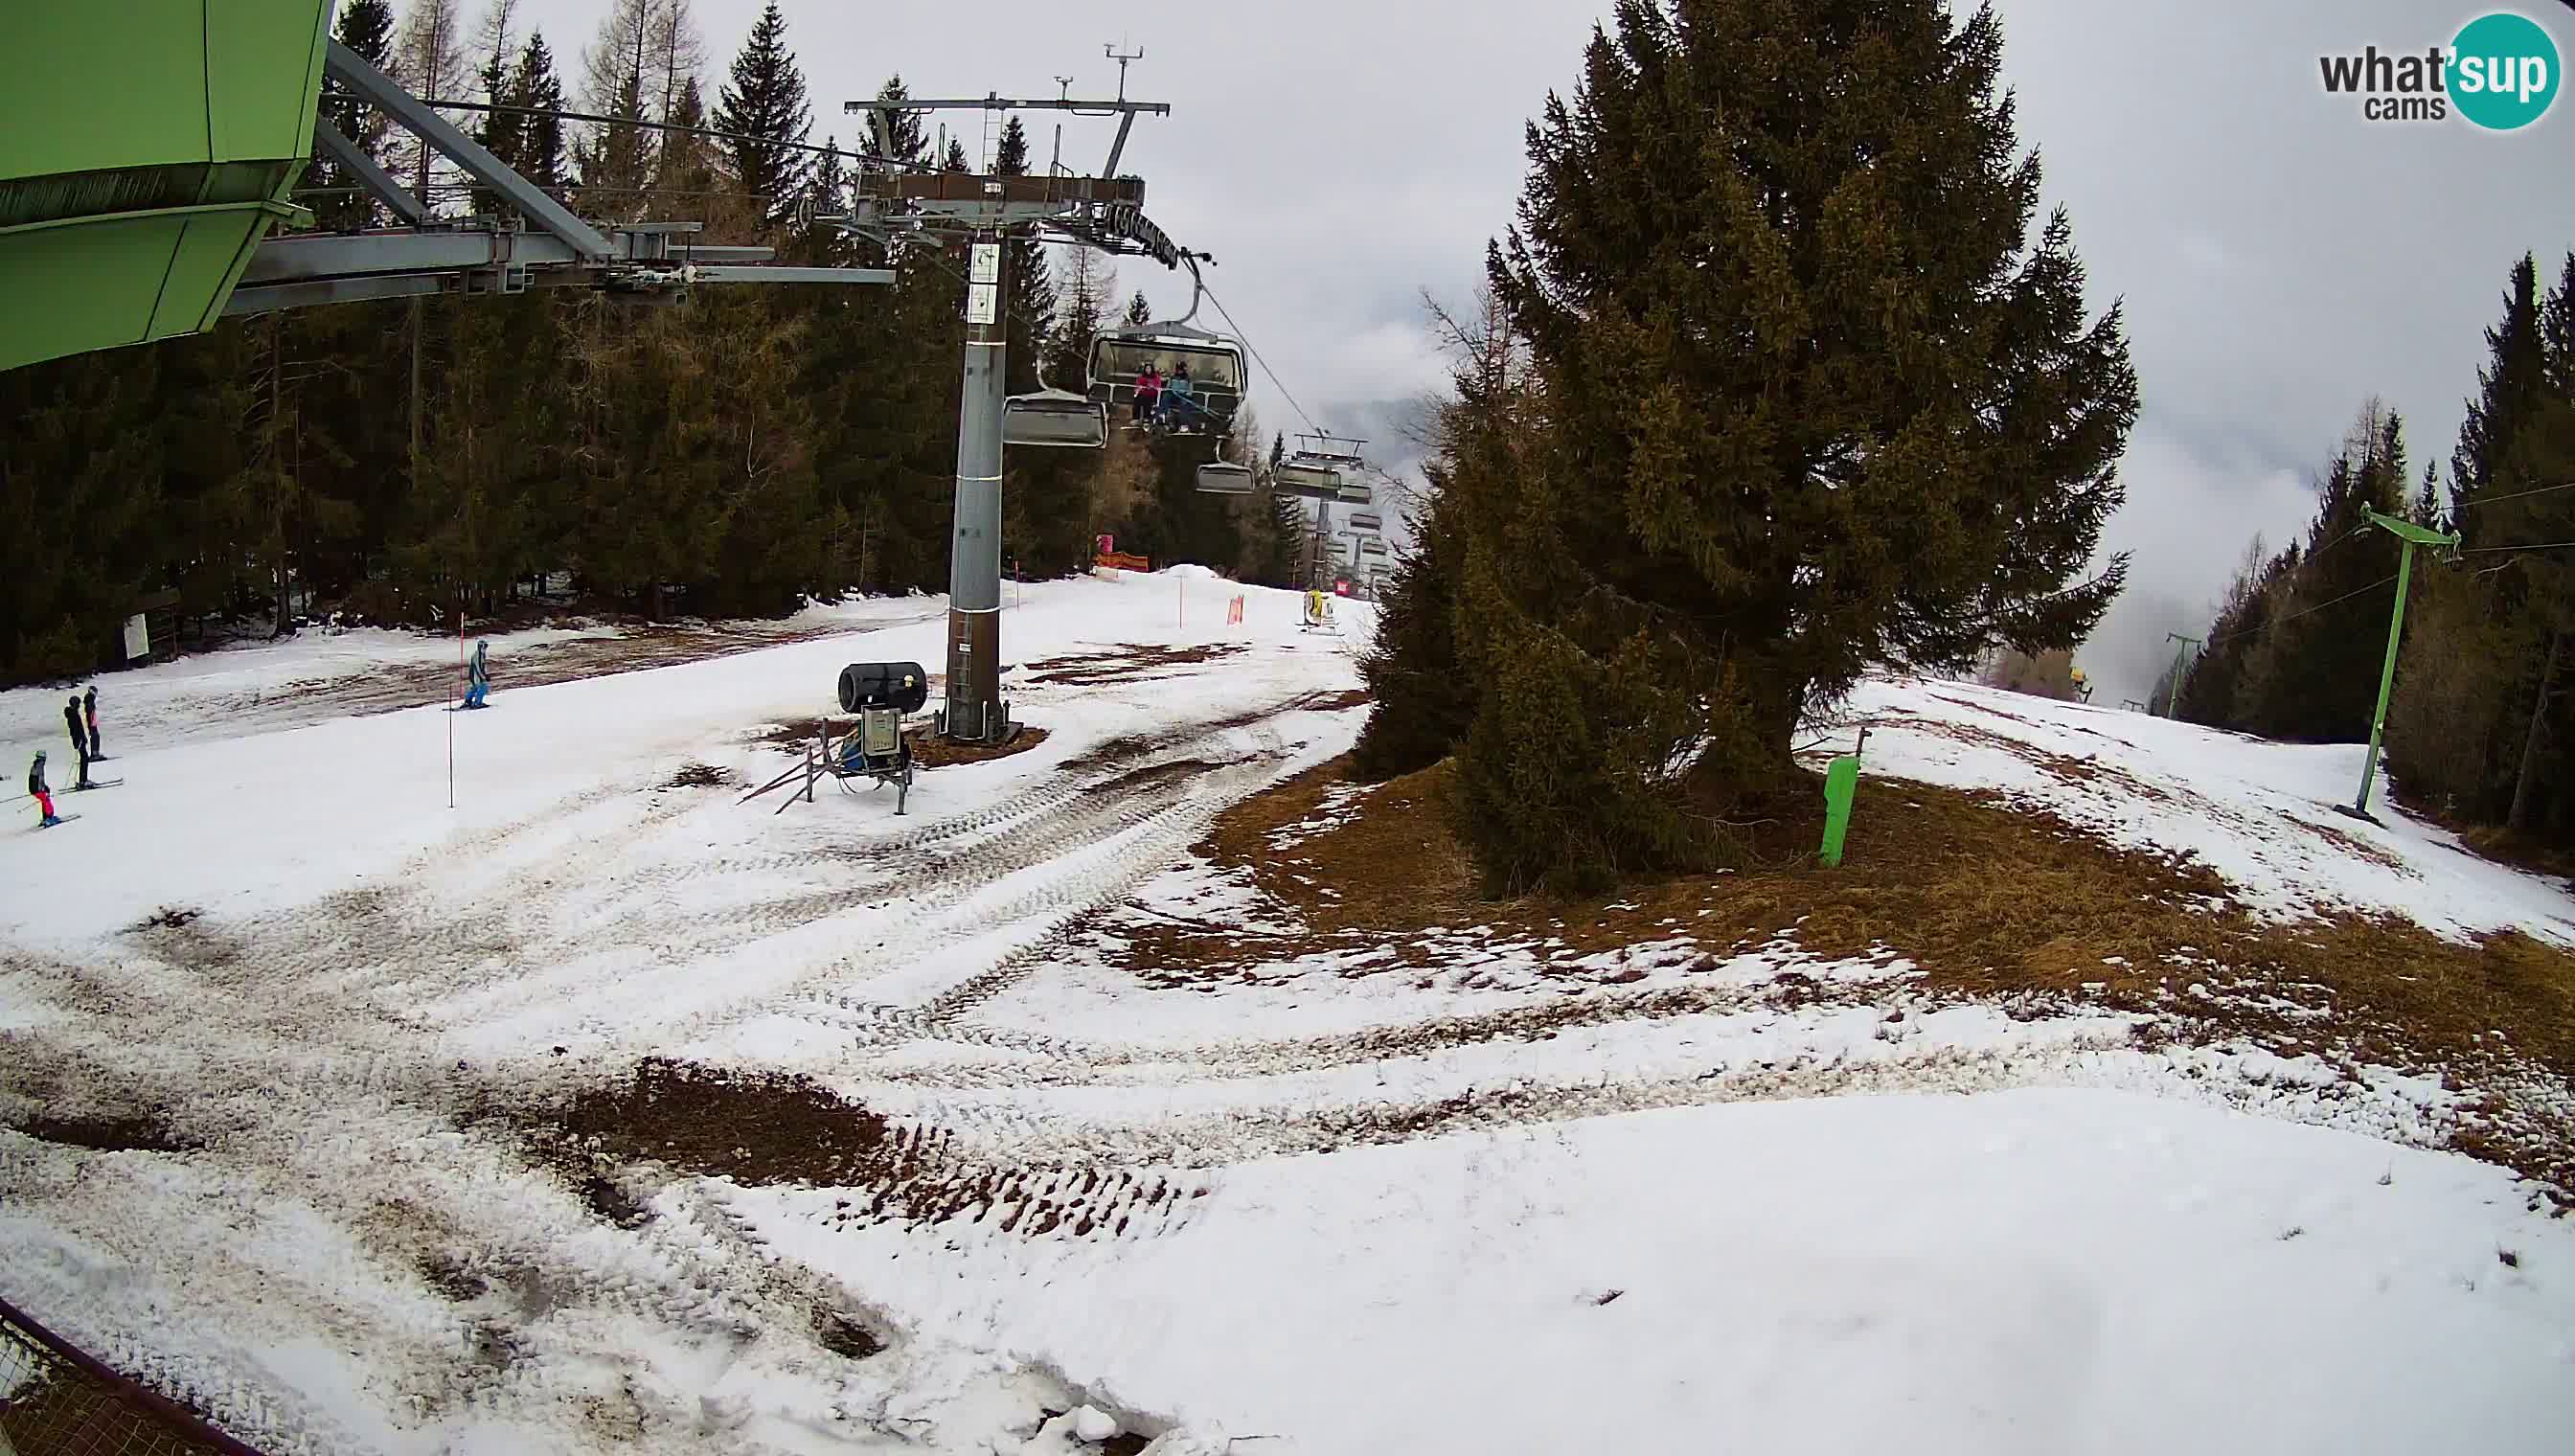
{"x":1214,"y":361}
{"x":1224,"y":477}
{"x":1372,"y":546}
{"x":1313,"y":482}
{"x":1053,"y":416}
{"x":1324,"y":470}
{"x":1366,"y":521}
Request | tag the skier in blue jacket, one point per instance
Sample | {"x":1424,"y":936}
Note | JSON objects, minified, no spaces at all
{"x":478,"y":675}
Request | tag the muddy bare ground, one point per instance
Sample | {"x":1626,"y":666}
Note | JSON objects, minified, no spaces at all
{"x":140,"y":1133}
{"x":1990,"y":901}
{"x":1123,"y":663}
{"x":764,"y":1130}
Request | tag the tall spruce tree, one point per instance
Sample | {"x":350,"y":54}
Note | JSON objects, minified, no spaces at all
{"x":2533,"y":505}
{"x":1138,"y":310}
{"x":534,"y":86}
{"x":2312,"y":675}
{"x":616,"y":161}
{"x":2507,"y":386}
{"x":686,"y":174}
{"x":2483,"y":725}
{"x":500,"y":130}
{"x":820,"y":243}
{"x":1815,"y":397}
{"x":764,"y":107}
{"x":2209,"y":692}
{"x":905,"y":143}
{"x":1030,"y":287}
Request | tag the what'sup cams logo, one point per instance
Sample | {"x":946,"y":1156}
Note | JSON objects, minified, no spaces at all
{"x":2500,"y":72}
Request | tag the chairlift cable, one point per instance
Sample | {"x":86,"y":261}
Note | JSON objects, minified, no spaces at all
{"x":2301,"y":612}
{"x":2515,"y":496}
{"x":2529,"y":545}
{"x":1255,"y":352}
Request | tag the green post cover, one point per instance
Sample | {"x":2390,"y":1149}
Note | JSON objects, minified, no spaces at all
{"x":1841,"y":782}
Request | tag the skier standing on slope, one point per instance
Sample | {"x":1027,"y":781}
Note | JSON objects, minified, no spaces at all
{"x":89,"y":710}
{"x":478,"y":675}
{"x":80,"y":736}
{"x":44,"y":796}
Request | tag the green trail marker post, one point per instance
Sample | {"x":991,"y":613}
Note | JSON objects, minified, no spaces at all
{"x":1841,"y":782}
{"x":2413,"y":536}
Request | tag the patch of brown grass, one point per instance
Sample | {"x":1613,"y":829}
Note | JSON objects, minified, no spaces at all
{"x":1988,"y":901}
{"x":1393,"y":863}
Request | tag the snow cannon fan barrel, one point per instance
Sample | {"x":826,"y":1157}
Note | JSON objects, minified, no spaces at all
{"x":903,"y":687}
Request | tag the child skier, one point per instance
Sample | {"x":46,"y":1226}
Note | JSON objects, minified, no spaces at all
{"x":89,"y":710}
{"x":478,"y":675}
{"x":44,"y":796}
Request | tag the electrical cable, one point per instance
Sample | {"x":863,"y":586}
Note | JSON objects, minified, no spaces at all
{"x":1255,"y":352}
{"x":2301,"y":612}
{"x":2515,"y":496}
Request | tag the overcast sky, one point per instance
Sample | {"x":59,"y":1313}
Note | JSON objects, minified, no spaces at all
{"x":2281,"y":259}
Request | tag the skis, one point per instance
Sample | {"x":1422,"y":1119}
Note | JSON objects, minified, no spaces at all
{"x":59,"y":822}
{"x":94,"y":783}
{"x":469,"y":708}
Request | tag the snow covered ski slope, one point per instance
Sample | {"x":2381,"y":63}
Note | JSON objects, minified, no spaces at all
{"x":603,"y":1113}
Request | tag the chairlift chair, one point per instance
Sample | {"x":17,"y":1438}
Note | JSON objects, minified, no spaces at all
{"x":1054,"y":417}
{"x":1323,"y":471}
{"x":1314,"y":482}
{"x":1366,"y":521}
{"x":1224,"y":477}
{"x":1214,"y":360}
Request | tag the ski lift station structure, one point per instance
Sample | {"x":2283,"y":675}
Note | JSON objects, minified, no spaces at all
{"x":149,"y":157}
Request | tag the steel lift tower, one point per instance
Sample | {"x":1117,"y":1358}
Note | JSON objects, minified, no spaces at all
{"x":986,"y":210}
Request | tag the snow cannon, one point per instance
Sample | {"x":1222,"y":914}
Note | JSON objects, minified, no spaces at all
{"x":903,"y":687}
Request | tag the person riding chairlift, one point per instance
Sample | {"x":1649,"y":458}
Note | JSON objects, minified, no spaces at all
{"x":1148,"y":388}
{"x":1179,"y":407}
